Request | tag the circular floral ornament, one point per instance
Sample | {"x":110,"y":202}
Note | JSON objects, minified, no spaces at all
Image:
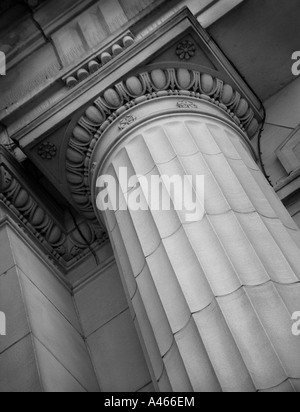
{"x":186,"y":50}
{"x":47,"y":150}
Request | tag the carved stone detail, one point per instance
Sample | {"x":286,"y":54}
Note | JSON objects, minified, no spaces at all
{"x":47,"y":150}
{"x":115,"y":101}
{"x":60,"y":243}
{"x":185,"y":104}
{"x":29,"y":211}
{"x":98,"y":60}
{"x":186,"y":50}
{"x":127,"y":121}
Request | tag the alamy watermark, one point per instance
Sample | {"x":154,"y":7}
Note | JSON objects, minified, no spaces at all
{"x":184,"y":194}
{"x":2,"y":64}
{"x":296,"y":65}
{"x":2,"y":324}
{"x":296,"y":325}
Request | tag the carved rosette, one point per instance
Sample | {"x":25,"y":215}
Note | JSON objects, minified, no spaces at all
{"x":47,"y":150}
{"x":115,"y":101}
{"x":186,"y":50}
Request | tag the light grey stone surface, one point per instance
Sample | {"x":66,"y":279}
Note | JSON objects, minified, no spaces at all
{"x":118,"y":357}
{"x":6,"y":257}
{"x":101,"y":300}
{"x":13,"y":305}
{"x":18,"y":368}
{"x":55,"y":332}
{"x":43,"y":278}
{"x":54,"y":375}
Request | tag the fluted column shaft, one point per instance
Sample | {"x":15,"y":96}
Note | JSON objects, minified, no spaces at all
{"x":213,"y":296}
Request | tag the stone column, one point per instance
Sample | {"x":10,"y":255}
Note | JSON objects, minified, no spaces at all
{"x":213,"y":296}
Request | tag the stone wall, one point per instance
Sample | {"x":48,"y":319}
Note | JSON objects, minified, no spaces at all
{"x":110,"y":333}
{"x":55,"y":343}
{"x":44,"y":349}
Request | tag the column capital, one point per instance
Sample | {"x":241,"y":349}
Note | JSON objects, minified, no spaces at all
{"x":171,"y":104}
{"x":180,"y":59}
{"x":180,"y":87}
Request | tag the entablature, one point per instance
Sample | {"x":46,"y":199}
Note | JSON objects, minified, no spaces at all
{"x":179,"y":50}
{"x":65,"y":243}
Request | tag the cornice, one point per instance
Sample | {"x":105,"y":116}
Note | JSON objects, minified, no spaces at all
{"x":39,"y":216}
{"x":50,"y":80}
{"x":8,"y":220}
{"x":97,"y":60}
{"x":129,"y":60}
{"x":63,"y":82}
{"x":63,"y":17}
